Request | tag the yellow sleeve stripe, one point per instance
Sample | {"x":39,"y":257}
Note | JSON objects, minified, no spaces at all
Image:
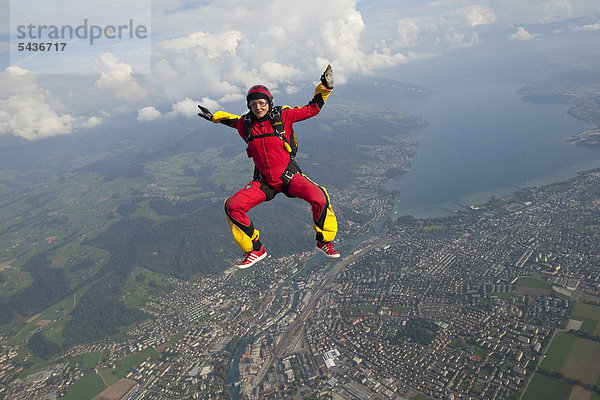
{"x":221,"y":116}
{"x":323,"y":91}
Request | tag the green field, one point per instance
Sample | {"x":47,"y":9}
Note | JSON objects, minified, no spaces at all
{"x":359,"y":310}
{"x":420,"y":396}
{"x":85,"y":388}
{"x":178,"y":336}
{"x":533,"y":283}
{"x":78,"y":202}
{"x":502,"y":296}
{"x":574,"y":357}
{"x":431,"y":228}
{"x":108,"y":377}
{"x":88,"y":361}
{"x":558,"y":352}
{"x":590,"y":314}
{"x":582,"y":362}
{"x":529,"y":286}
{"x":132,"y":361}
{"x":546,"y":388}
{"x":14,"y":280}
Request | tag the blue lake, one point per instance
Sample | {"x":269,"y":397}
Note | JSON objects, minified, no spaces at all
{"x":485,"y":141}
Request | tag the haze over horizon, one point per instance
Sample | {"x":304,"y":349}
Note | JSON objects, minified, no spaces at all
{"x":211,"y":52}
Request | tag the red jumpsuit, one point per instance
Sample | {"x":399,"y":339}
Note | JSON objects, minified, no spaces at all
{"x":271,"y":159}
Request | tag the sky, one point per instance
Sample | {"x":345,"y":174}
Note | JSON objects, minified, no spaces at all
{"x":210,"y":51}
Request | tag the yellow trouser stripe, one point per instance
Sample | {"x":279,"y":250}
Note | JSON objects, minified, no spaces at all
{"x":244,"y":241}
{"x":329,"y":228}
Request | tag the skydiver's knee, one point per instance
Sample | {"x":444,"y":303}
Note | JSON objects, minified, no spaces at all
{"x":318,"y":199}
{"x":231,"y":206}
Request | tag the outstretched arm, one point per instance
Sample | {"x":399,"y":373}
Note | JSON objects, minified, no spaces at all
{"x":322,"y":91}
{"x":222,"y":117}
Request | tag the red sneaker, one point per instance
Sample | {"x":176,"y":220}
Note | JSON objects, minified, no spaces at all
{"x":252,"y":257}
{"x":327,"y":248}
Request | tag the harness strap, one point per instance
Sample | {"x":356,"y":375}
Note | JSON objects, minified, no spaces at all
{"x":264,"y":186}
{"x":247,"y":127}
{"x":292,"y":169}
{"x":264,"y":135}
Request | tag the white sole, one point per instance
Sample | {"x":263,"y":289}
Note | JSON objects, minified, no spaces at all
{"x":328,"y":255}
{"x":244,"y":266}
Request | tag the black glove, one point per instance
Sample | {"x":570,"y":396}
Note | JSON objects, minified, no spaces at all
{"x":205,"y":113}
{"x":327,"y":78}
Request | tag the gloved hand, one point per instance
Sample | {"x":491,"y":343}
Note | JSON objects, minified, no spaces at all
{"x":205,"y":113}
{"x":327,"y":78}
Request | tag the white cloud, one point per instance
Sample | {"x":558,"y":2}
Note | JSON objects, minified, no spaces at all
{"x":116,"y":78}
{"x":148,"y":114}
{"x":408,"y":32}
{"x":275,"y":71}
{"x":25,"y":108}
{"x":452,"y":26}
{"x":290,"y":43}
{"x":210,"y":104}
{"x":475,"y":15}
{"x":521,"y":35}
{"x":213,"y":45}
{"x":533,"y":12}
{"x":32,"y":112}
{"x":186,"y":107}
{"x":291,"y":89}
{"x":92,"y":122}
{"x":228,"y":98}
{"x":589,"y":27}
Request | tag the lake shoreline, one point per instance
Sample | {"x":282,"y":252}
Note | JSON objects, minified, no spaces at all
{"x":487,"y":141}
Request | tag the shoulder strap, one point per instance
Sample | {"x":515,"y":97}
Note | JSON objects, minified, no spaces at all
{"x":247,"y":127}
{"x":277,"y":121}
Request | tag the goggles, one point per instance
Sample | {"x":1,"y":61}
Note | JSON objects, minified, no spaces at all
{"x":259,"y":102}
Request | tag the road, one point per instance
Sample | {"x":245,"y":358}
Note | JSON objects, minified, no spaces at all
{"x":296,"y":327}
{"x":541,"y":359}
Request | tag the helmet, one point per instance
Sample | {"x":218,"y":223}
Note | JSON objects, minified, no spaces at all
{"x":259,"y":92}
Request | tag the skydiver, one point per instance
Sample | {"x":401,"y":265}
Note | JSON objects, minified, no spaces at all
{"x":268,"y":131}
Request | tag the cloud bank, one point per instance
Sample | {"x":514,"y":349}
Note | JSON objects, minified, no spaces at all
{"x":33,"y":113}
{"x":214,"y":50}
